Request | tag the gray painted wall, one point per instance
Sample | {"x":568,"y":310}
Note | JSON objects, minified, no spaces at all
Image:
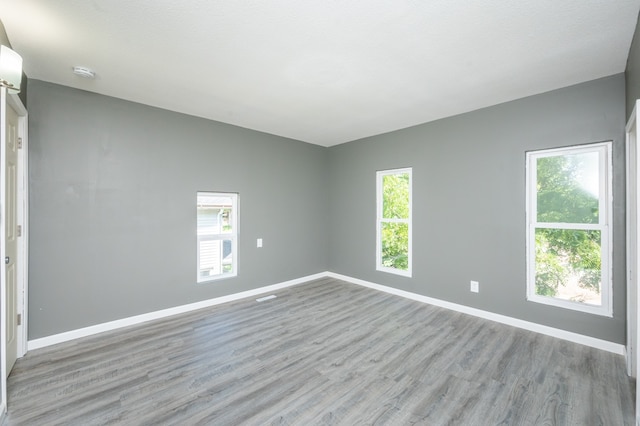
{"x":113,"y":187}
{"x":112,"y":207}
{"x":632,"y":74}
{"x":469,"y":200}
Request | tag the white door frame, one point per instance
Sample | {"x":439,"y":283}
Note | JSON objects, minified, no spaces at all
{"x":23,"y":219}
{"x":631,"y":240}
{"x":633,"y":249}
{"x":13,"y":101}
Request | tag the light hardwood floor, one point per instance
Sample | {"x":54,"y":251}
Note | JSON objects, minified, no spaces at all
{"x":322,"y":353}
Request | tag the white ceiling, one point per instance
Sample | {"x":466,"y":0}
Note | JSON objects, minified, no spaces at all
{"x":324,"y":72}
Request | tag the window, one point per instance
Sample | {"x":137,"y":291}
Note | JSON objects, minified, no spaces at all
{"x":568,"y":235}
{"x":393,"y":227}
{"x":217,"y":223}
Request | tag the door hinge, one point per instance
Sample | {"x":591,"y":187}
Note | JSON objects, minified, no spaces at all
{"x":19,"y":143}
{"x":19,"y":230}
{"x":19,"y":319}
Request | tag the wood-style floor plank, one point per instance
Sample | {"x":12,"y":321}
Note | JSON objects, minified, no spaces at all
{"x":321,"y":353}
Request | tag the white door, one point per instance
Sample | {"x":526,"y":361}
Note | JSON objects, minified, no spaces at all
{"x":11,"y":240}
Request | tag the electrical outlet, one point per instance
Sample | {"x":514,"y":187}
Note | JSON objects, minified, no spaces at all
{"x":259,"y":244}
{"x":475,"y":287}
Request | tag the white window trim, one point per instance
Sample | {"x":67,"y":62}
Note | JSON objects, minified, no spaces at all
{"x":379,"y":220}
{"x":604,"y":226}
{"x":232,"y":236}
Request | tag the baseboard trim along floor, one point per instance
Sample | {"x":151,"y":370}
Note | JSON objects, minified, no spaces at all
{"x":526,"y":325}
{"x":138,"y":319}
{"x":605,"y":345}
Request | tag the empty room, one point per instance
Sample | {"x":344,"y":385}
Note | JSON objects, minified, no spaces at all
{"x":319,"y":213}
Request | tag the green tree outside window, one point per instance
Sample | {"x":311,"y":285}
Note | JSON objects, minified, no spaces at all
{"x":567,"y":193}
{"x":394,"y":226}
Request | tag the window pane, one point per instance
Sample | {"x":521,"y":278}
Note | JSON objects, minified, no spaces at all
{"x":395,"y":245}
{"x":215,"y":257}
{"x":568,"y":188}
{"x":568,"y":264}
{"x":214,"y":215}
{"x":217,"y":232}
{"x":395,"y":196}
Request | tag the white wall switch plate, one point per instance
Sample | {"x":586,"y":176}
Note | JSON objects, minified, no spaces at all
{"x":475,"y":287}
{"x":259,"y":244}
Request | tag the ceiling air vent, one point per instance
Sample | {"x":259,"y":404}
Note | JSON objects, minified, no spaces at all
{"x":84,"y":72}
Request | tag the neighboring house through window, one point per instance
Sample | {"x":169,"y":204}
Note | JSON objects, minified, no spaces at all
{"x":569,"y":227}
{"x":393,"y":224}
{"x":217,"y":232}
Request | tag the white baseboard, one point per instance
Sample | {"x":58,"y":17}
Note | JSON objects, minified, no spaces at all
{"x":526,"y":325}
{"x":125,"y":322}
